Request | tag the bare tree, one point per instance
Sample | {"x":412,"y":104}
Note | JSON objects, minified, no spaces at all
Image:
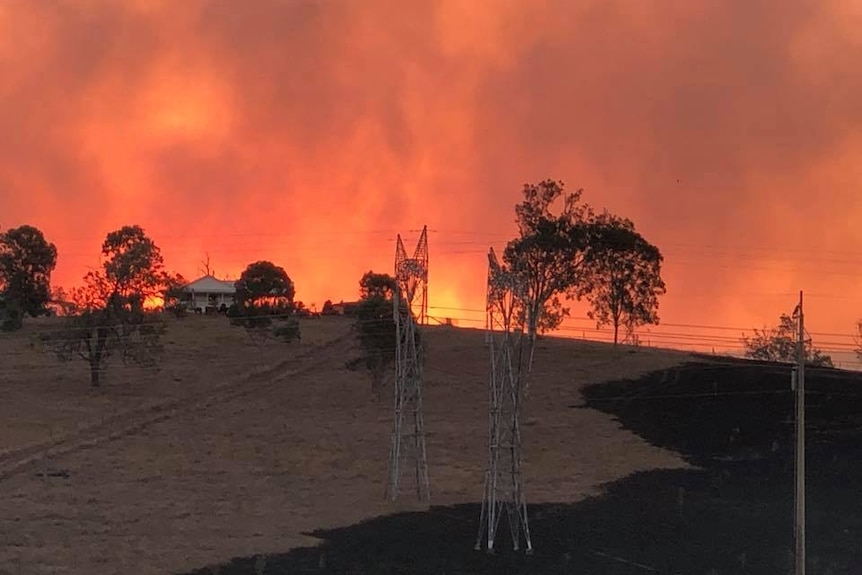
{"x":207,"y":268}
{"x":100,"y":324}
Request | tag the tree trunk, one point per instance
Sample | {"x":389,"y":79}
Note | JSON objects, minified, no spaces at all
{"x":94,"y":373}
{"x":378,"y":373}
{"x":616,"y":331}
{"x":96,"y":357}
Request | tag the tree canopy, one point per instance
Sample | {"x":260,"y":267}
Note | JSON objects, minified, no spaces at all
{"x":106,"y":316}
{"x":375,"y":323}
{"x":174,"y":294}
{"x":373,"y":285}
{"x":548,"y":254}
{"x":264,"y":284}
{"x":27,"y":260}
{"x":133,"y":264}
{"x":264,"y":291}
{"x":564,"y":250}
{"x":779,"y":343}
{"x":621,"y":278}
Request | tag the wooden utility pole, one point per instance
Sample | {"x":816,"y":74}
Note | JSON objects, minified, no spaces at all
{"x":799,"y":530}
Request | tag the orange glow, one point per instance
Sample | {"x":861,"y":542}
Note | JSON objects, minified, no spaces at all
{"x":154,"y":302}
{"x":310,"y":134}
{"x":181,"y":105}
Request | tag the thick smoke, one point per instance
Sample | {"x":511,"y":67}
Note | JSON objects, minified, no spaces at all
{"x":308,"y":132}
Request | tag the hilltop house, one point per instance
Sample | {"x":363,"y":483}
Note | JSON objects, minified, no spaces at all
{"x":208,"y":295}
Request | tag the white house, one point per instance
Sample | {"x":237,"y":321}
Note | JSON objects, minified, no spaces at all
{"x":208,"y":294}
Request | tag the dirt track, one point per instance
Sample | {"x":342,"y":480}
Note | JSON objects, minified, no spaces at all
{"x":135,"y":421}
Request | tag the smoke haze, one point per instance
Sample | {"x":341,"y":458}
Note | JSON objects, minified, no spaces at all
{"x":311,"y":132}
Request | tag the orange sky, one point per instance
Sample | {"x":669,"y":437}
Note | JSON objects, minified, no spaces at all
{"x":311,"y":132}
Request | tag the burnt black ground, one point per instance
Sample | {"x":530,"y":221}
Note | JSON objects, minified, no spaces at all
{"x":732,"y":514}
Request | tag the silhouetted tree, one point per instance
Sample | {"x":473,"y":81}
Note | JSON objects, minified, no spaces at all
{"x":174,"y":295}
{"x":107,"y":315}
{"x":264,"y":291}
{"x":621,"y":277}
{"x":375,"y":323}
{"x":265,"y":285}
{"x":26,"y":262}
{"x":373,"y":284}
{"x":207,"y":268}
{"x":61,"y":304}
{"x":779,"y":344}
{"x":300,"y":309}
{"x":549,"y":252}
{"x":133,"y":265}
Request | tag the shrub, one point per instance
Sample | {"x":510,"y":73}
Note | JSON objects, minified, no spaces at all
{"x":289,"y":331}
{"x":11,"y":316}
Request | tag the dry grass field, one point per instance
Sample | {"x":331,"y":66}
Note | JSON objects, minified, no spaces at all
{"x":231,"y":450}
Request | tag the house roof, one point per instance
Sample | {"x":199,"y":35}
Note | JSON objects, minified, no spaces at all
{"x":209,"y":284}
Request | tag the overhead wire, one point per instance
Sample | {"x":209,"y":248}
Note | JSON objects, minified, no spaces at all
{"x":288,"y":238}
{"x":568,"y":326}
{"x":466,"y":238}
{"x":482,"y":237}
{"x":318,"y":248}
{"x":6,"y":371}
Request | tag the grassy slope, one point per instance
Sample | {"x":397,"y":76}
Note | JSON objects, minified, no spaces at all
{"x":45,"y":399}
{"x":305,"y":448}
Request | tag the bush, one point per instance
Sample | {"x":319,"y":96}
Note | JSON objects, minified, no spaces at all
{"x":289,"y":331}
{"x":234,"y":314}
{"x":178,"y":310}
{"x":377,"y":338}
{"x":11,"y":323}
{"x":11,"y":316}
{"x":258,"y":322}
{"x":352,"y":309}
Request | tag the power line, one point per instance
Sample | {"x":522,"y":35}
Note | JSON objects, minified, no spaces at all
{"x":679,"y":341}
{"x":568,"y":326}
{"x":482,"y":238}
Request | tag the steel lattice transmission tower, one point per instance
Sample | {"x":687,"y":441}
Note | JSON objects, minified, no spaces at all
{"x":411,"y":308}
{"x":504,"y":489}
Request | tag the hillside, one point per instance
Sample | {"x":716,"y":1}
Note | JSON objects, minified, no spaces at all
{"x":230,"y":451}
{"x":731,"y":512}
